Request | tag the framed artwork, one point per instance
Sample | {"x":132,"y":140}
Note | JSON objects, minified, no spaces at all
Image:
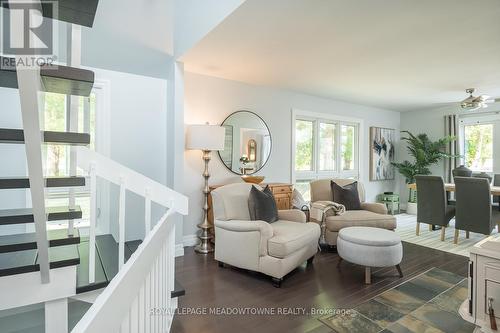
{"x":382,"y":151}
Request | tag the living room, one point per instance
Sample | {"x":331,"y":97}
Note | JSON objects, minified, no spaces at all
{"x":299,"y":91}
{"x":252,"y":165}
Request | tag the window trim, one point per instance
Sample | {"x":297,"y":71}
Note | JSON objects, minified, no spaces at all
{"x":102,"y":145}
{"x":357,"y":173}
{"x":477,"y":120}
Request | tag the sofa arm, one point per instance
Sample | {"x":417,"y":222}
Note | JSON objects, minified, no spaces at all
{"x":374,"y":207}
{"x":239,"y":226}
{"x":293,"y":215}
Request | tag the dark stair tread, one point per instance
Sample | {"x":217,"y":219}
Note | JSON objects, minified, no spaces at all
{"x":62,"y":256}
{"x":107,"y":248}
{"x":58,"y":79}
{"x":178,"y":290}
{"x":79,"y":12}
{"x":18,"y":262}
{"x":9,"y":135}
{"x":24,"y":215}
{"x":133,"y":245}
{"x":16,"y":183}
{"x":27,"y":261}
{"x":27,"y":241}
{"x":82,"y":271}
{"x":107,"y":255}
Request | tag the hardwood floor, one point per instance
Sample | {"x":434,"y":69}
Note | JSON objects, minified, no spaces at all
{"x":322,"y":285}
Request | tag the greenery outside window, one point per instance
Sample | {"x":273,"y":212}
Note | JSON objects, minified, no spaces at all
{"x":56,"y":157}
{"x":478,"y":146}
{"x":324,"y":148}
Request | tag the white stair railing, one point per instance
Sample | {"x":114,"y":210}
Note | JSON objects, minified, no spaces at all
{"x":97,"y":165}
{"x":138,"y":299}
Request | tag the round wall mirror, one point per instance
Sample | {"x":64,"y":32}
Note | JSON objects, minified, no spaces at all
{"x":248,"y":143}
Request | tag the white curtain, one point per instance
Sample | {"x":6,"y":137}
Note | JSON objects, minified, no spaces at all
{"x":451,"y":128}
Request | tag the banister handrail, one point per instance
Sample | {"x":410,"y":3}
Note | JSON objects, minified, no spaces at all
{"x":135,"y":182}
{"x":153,"y":259}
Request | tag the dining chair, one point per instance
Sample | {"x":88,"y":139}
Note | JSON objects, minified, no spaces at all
{"x":474,"y":211}
{"x":483,"y":175}
{"x":461,"y":171}
{"x":432,"y":204}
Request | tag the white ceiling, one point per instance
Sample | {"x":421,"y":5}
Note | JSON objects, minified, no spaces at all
{"x":396,"y":54}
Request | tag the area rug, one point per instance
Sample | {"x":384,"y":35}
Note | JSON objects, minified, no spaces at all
{"x":427,"y":303}
{"x":406,"y":229}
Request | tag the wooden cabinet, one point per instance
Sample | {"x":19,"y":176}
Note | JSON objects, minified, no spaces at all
{"x":282,"y":194}
{"x":484,"y":284}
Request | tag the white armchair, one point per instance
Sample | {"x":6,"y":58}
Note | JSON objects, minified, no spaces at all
{"x":274,"y":249}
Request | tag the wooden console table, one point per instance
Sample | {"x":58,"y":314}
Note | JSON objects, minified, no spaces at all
{"x":282,"y":194}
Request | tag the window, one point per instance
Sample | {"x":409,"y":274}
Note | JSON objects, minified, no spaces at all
{"x":323,"y":148}
{"x":478,"y":146}
{"x":56,"y":156}
{"x":304,"y":138}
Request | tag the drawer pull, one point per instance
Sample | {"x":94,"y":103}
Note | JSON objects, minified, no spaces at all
{"x":491,"y":313}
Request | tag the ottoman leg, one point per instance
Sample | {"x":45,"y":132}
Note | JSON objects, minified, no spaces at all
{"x":368,"y":275}
{"x":399,"y":270}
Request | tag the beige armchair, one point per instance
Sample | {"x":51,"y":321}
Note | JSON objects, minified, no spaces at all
{"x":274,"y":249}
{"x":371,"y":215}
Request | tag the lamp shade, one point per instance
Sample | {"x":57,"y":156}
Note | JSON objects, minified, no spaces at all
{"x":205,"y":137}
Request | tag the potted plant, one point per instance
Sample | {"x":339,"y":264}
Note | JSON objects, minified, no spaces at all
{"x":425,"y":153}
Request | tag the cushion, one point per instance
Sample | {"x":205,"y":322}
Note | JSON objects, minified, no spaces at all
{"x":369,"y":236}
{"x":230,"y":202}
{"x":262,"y":206}
{"x":289,"y":237}
{"x":346,"y":195}
{"x":321,"y":189}
{"x":365,"y":218}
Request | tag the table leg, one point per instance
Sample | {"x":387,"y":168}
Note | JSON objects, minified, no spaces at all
{"x":368,"y":275}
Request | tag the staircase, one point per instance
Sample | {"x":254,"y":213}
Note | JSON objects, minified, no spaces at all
{"x":51,"y":266}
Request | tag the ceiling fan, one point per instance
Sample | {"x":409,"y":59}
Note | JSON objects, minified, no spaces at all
{"x":472,"y":102}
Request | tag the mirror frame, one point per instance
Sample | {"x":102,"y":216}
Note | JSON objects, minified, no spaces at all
{"x":270,"y":139}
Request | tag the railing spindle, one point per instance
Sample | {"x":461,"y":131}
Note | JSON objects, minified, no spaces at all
{"x":93,"y":221}
{"x":147,"y":210}
{"x":121,"y":224}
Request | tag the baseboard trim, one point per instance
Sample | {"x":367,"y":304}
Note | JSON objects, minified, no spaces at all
{"x":179,"y":250}
{"x":189,"y":240}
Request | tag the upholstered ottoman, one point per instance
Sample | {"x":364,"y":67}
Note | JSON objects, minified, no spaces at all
{"x":370,"y":247}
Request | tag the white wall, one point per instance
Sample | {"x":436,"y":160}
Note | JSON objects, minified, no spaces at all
{"x":196,"y":18}
{"x":137,"y":132}
{"x":212,"y":99}
{"x":431,"y":122}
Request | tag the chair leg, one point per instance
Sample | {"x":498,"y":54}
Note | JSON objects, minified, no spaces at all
{"x":399,"y":270}
{"x":418,"y":229}
{"x":221,"y":264}
{"x":340,"y":261}
{"x":368,"y":275}
{"x":310,"y":261}
{"x":277,"y":282}
{"x":443,"y":229}
{"x":455,"y":239}
{"x":467,"y":235}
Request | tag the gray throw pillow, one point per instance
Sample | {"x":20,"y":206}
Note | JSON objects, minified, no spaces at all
{"x":346,"y":195}
{"x":262,"y":206}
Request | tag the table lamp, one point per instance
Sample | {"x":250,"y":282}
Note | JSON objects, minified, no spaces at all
{"x":205,"y":138}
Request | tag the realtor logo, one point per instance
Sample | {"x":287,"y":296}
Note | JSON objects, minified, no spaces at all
{"x":25,"y":31}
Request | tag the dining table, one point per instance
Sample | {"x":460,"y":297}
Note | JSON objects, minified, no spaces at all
{"x":450,"y":187}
